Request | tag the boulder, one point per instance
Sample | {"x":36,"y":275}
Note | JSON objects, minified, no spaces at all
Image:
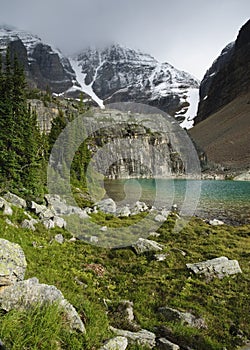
{"x":123,"y":212}
{"x":59,"y":222}
{"x":29,"y":224}
{"x":48,"y":224}
{"x":218,"y":267}
{"x":12,"y":263}
{"x":117,"y":343}
{"x":25,"y":294}
{"x":138,"y":208}
{"x":164,"y":344}
{"x":145,"y":245}
{"x":216,"y":222}
{"x":160,"y":218}
{"x":47,"y":214}
{"x":15,"y":200}
{"x":141,"y":338}
{"x":59,"y":238}
{"x":37,"y":208}
{"x":7,"y":210}
{"x":183,"y":317}
{"x":107,"y":206}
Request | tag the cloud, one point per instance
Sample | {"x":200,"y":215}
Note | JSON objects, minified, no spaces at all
{"x":188,"y":34}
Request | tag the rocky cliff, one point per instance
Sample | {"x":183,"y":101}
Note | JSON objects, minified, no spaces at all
{"x":228,"y":77}
{"x":45,"y":67}
{"x":222,"y":127}
{"x":136,"y":145}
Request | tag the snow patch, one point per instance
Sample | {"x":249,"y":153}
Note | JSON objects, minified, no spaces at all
{"x":193,"y":100}
{"x":80,"y":76}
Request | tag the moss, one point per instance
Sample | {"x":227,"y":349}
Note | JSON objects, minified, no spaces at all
{"x":150,"y":284}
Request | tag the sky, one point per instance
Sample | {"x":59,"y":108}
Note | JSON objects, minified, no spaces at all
{"x":189,"y":34}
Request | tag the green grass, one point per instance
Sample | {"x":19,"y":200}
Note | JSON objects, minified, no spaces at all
{"x":148,"y":283}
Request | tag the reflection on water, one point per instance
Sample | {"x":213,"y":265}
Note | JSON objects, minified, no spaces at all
{"x":225,"y":200}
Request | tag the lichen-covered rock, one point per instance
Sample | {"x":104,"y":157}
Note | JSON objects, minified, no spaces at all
{"x":12,"y":263}
{"x":183,"y":317}
{"x":160,"y":218}
{"x":164,"y":344}
{"x":59,"y":222}
{"x":37,"y":208}
{"x":117,"y":343}
{"x":59,"y":238}
{"x":15,"y":200}
{"x":29,"y":224}
{"x":107,"y":206}
{"x":218,"y":267}
{"x":141,"y":338}
{"x":123,"y":211}
{"x":7,"y":210}
{"x":25,"y":294}
{"x":145,"y":245}
{"x":48,"y":224}
{"x":216,"y":222}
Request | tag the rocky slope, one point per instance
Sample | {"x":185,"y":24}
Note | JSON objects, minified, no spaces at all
{"x":119,"y":74}
{"x":45,"y":66}
{"x":228,"y":77}
{"x":222,"y":125}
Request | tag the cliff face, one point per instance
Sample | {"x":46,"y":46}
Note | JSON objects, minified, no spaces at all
{"x":135,"y":145}
{"x":45,"y":67}
{"x":228,"y":78}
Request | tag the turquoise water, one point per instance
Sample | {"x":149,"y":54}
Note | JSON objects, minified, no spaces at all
{"x":225,"y":200}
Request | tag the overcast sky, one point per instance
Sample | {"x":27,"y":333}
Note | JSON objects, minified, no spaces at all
{"x":189,"y":34}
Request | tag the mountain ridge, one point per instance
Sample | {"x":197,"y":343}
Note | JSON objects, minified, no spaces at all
{"x":115,"y":74}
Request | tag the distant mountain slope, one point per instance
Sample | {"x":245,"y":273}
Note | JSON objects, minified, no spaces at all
{"x":228,"y":78}
{"x":119,"y":74}
{"x":224,"y":136}
{"x":45,"y":66}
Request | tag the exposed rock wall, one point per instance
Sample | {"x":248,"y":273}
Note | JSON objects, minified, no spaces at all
{"x":228,"y":78}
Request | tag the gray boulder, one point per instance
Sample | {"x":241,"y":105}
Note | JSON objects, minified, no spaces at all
{"x":107,"y":206}
{"x":141,"y":338}
{"x":7,"y":210}
{"x":48,"y":224}
{"x":145,"y":245}
{"x":59,"y":222}
{"x":123,"y":211}
{"x":59,"y":238}
{"x":37,"y":208}
{"x":15,"y":200}
{"x":164,"y":344}
{"x":12,"y":263}
{"x":139,"y":207}
{"x":216,"y":222}
{"x":25,"y":294}
{"x":117,"y":343}
{"x":46,"y":214}
{"x":160,"y":218}
{"x":183,"y":317}
{"x":29,"y":224}
{"x":218,"y":267}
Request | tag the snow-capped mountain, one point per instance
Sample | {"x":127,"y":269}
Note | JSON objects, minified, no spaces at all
{"x":44,"y":65}
{"x":111,"y":74}
{"x":119,"y":74}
